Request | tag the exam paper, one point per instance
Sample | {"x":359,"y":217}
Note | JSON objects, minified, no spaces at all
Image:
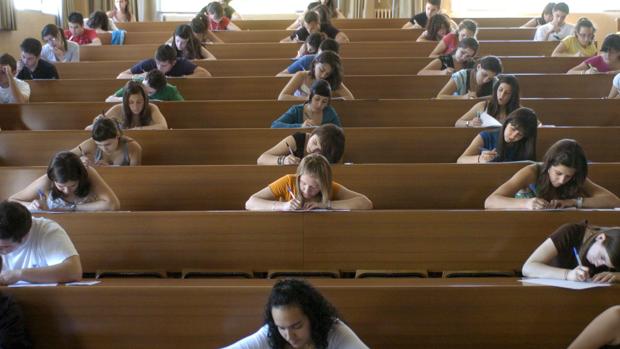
{"x":572,"y":285}
{"x":28,"y":284}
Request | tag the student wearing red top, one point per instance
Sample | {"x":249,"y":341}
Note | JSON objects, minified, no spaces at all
{"x":608,"y":61}
{"x":78,"y":34}
{"x":217,"y":20}
{"x":449,"y":43}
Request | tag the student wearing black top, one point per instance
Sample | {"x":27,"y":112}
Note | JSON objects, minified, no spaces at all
{"x":13,"y":333}
{"x":31,"y":66}
{"x":421,"y":19}
{"x":312,"y":24}
{"x":166,"y":60}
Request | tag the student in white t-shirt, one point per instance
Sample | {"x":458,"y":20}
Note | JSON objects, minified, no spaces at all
{"x":557,"y":29}
{"x":35,"y":250}
{"x":12,"y":89}
{"x":291,"y":305}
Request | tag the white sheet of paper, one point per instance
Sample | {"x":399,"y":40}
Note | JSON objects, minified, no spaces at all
{"x":83,"y":283}
{"x":572,"y":285}
{"x":28,"y":284}
{"x":489,"y":121}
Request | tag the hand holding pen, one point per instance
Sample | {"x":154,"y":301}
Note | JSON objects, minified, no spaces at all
{"x":580,"y":273}
{"x":40,"y":203}
{"x":293,"y":204}
{"x":487,"y":155}
{"x":291,"y":159}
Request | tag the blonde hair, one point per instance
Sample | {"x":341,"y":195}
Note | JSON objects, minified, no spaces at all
{"x":315,"y":165}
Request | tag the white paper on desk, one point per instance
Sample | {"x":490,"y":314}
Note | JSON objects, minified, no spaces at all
{"x":572,"y":285}
{"x":28,"y":284}
{"x":489,"y":121}
{"x":82,"y":283}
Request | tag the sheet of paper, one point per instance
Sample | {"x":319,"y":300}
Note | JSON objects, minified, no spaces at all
{"x":489,"y":121}
{"x":83,"y":283}
{"x":28,"y":284}
{"x":572,"y":285}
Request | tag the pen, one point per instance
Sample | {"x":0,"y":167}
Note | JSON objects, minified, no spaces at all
{"x":290,"y":192}
{"x":81,"y":151}
{"x":289,"y":148}
{"x":41,"y":194}
{"x":577,"y":257}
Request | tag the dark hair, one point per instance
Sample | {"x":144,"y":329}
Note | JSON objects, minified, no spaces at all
{"x":468,"y":24}
{"x":311,"y":17}
{"x":546,"y":11}
{"x":320,"y":313}
{"x":76,"y":18}
{"x":569,"y":153}
{"x":52,"y":29}
{"x":583,"y":22}
{"x":434,"y":2}
{"x":471,"y":43}
{"x":104,"y":129}
{"x":329,"y":44}
{"x":165,"y":53}
{"x":325,"y":15}
{"x":560,"y":6}
{"x":329,"y":57}
{"x":192,"y":51}
{"x":156,"y":79}
{"x":66,"y":166}
{"x":321,"y":88}
{"x":611,"y":43}
{"x":492,"y":63}
{"x":7,"y":59}
{"x":611,"y":244}
{"x":313,"y":41}
{"x":13,"y":332}
{"x":216,"y":9}
{"x":15,"y":221}
{"x":526,"y":121}
{"x":436,"y":23}
{"x":331,"y":138}
{"x":132,"y":88}
{"x":98,"y":19}
{"x":31,"y":46}
{"x":330,"y":4}
{"x":200,"y":24}
{"x":493,"y":107}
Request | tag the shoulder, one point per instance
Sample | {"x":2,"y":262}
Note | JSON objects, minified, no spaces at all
{"x":569,"y":230}
{"x":153,"y":107}
{"x":461,"y":74}
{"x":342,"y":335}
{"x":44,"y":227}
{"x":297,"y":108}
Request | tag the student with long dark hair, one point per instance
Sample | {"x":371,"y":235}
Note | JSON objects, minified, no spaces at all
{"x":57,"y":48}
{"x":504,"y":100}
{"x":100,"y":22}
{"x":316,"y":111}
{"x":467,"y":29}
{"x":200,"y":28}
{"x":187,"y":45}
{"x":461,"y":58}
{"x":327,"y":140}
{"x":438,"y":27}
{"x":107,"y":146}
{"x":473,"y":83}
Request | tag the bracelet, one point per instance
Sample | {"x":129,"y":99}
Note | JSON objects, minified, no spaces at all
{"x":479,"y":158}
{"x":566,"y":274}
{"x":467,"y":123}
{"x":579,"y":202}
{"x":281,"y":160}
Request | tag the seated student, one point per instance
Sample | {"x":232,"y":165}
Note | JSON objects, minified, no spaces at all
{"x":577,"y":252}
{"x":78,"y":34}
{"x":200,"y":28}
{"x":331,"y":6}
{"x":166,"y":60}
{"x":298,"y":316}
{"x":602,"y":332}
{"x":57,"y":48}
{"x":304,"y":63}
{"x":608,"y":61}
{"x":449,"y":43}
{"x":560,"y":181}
{"x":312,"y":24}
{"x":504,"y":100}
{"x":461,"y":58}
{"x":473,"y":83}
{"x":557,"y":29}
{"x":327,"y":140}
{"x":581,"y":44}
{"x":68,"y":186}
{"x":217,"y":19}
{"x":108,"y":146}
{"x":187,"y":45}
{"x":12,"y":89}
{"x":325,"y":66}
{"x":229,"y":11}
{"x":100,"y":22}
{"x":135,"y":112}
{"x":515,"y":141}
{"x":13,"y":333}
{"x":420,"y":20}
{"x":31,"y":66}
{"x":311,"y":188}
{"x":316,"y":111}
{"x":615,"y":87}
{"x":545,"y":17}
{"x":438,"y":27}
{"x":156,"y":87}
{"x":121,"y":13}
{"x":311,"y":45}
{"x":35,"y":249}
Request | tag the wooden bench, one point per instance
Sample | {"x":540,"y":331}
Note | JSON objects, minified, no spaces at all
{"x":402,"y":186}
{"x":351,"y":50}
{"x":243,"y":146}
{"x":432,"y":313}
{"x":362,"y":87}
{"x":352,"y":66}
{"x":260,"y":114}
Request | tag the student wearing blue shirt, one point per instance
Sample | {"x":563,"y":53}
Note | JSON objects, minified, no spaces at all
{"x":303,"y":63}
{"x":166,"y":60}
{"x":315,"y":112}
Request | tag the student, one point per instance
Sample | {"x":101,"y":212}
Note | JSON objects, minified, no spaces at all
{"x":316,"y":111}
{"x":504,"y":100}
{"x":100,"y":22}
{"x":325,"y":66}
{"x":461,"y":58}
{"x":311,"y":45}
{"x":156,"y":87}
{"x":420,"y":20}
{"x":187,"y":45}
{"x":602,"y":332}
{"x":608,"y":61}
{"x":332,"y":9}
{"x":438,"y":27}
{"x":217,"y":19}
{"x":229,"y":11}
{"x":135,"y":112}
{"x":327,"y":140}
{"x":78,"y":34}
{"x":12,"y":89}
{"x":615,"y":87}
{"x":68,"y":186}
{"x":597,"y":252}
{"x":473,"y":83}
{"x":545,"y":17}
{"x":200,"y":28}
{"x":515,"y":141}
{"x":311,"y":188}
{"x":560,"y":181}
{"x":31,"y":66}
{"x":57,"y":48}
{"x":581,"y":44}
{"x":312,"y":24}
{"x":13,"y":333}
{"x":35,"y":249}
{"x":108,"y":146}
{"x":298,"y":316}
{"x":449,"y":43}
{"x":304,"y":63}
{"x":121,"y":13}
{"x":166,"y":60}
{"x":557,"y":29}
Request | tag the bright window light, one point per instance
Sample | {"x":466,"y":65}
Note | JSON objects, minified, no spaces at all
{"x":249,"y":7}
{"x":508,"y":8}
{"x":46,"y":6}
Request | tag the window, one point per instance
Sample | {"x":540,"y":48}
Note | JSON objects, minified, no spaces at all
{"x":46,"y":6}
{"x":508,"y":8}
{"x":245,"y":7}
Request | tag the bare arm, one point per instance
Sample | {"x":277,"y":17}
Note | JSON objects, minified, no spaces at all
{"x":438,"y":50}
{"x":95,"y":42}
{"x":232,"y":27}
{"x":135,"y":154}
{"x":214,"y":38}
{"x":580,"y":69}
{"x":503,"y":197}
{"x":15,"y":91}
{"x":199,"y":72}
{"x":448,"y":90}
{"x":471,"y":155}
{"x":409,"y":25}
{"x":270,"y":157}
{"x":603,"y":330}
{"x":288,"y":39}
{"x":422,"y":37}
{"x":342,"y":38}
{"x":205,"y":53}
{"x":560,"y":51}
{"x":532,"y":23}
{"x":344,"y":92}
{"x":158,"y":120}
{"x":599,"y":197}
{"x":68,"y":271}
{"x":471,"y":115}
{"x":263,"y":200}
{"x":614,"y":93}
{"x":434,"y":68}
{"x":114,"y":99}
{"x":537,"y":265}
{"x":106,"y":199}
{"x":293,"y":85}
{"x":126,"y":74}
{"x":295,"y":25}
{"x":347,"y":199}
{"x":29,"y":194}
